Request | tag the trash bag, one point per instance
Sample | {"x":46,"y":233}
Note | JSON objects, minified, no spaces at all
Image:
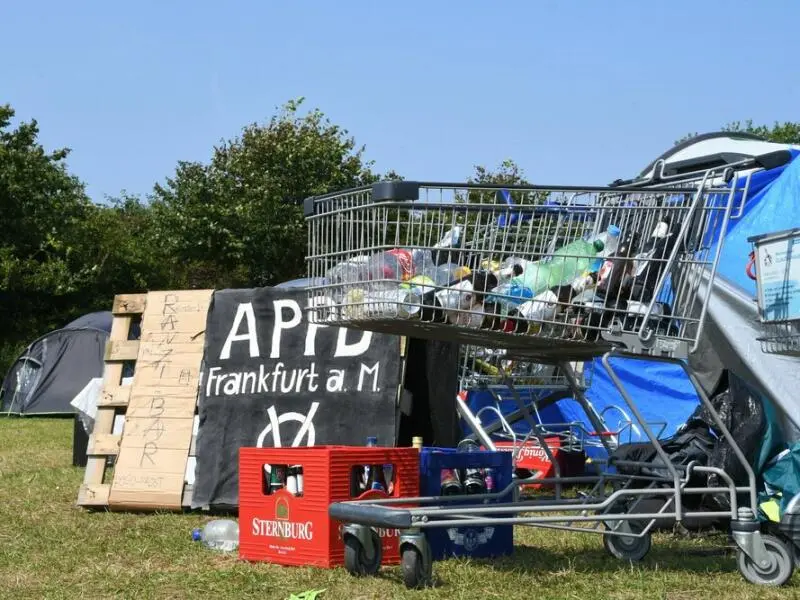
{"x":747,"y":423}
{"x":691,"y":444}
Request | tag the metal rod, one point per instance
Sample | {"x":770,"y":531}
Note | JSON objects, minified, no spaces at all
{"x":653,"y":440}
{"x":474,"y":424}
{"x":751,"y":477}
{"x":587,"y":407}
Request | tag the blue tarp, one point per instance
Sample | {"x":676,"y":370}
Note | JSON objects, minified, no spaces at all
{"x":661,"y":392}
{"x":774,"y":205}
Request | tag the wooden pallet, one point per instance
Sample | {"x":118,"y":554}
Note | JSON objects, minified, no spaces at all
{"x":150,"y":456}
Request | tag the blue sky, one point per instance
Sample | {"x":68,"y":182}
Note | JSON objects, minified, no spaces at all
{"x":576,"y":92}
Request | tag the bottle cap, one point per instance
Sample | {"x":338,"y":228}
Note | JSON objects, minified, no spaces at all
{"x":416,"y":442}
{"x":196,"y":535}
{"x":614,"y":231}
{"x":372,"y":441}
{"x":598,"y":245}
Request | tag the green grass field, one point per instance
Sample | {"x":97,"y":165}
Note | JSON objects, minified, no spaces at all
{"x":49,"y":548}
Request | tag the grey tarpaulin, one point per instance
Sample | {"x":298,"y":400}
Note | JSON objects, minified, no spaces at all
{"x":731,"y":337}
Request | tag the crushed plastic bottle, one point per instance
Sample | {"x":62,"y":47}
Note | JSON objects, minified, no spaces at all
{"x":220,"y":534}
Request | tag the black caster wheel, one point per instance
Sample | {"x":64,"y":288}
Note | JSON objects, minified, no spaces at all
{"x":781,"y":566}
{"x":417,"y":569}
{"x":627,"y":548}
{"x":356,"y":560}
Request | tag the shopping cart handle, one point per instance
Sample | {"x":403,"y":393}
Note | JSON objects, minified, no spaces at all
{"x":373,"y":516}
{"x":603,"y":433}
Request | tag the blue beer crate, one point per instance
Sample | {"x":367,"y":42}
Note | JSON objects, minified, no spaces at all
{"x":476,"y":542}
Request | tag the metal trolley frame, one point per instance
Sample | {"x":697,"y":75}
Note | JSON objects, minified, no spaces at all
{"x":661,"y":319}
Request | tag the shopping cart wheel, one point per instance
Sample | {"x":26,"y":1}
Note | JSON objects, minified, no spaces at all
{"x":417,"y":568}
{"x":628,"y":548}
{"x":357,"y":560}
{"x":780,"y":568}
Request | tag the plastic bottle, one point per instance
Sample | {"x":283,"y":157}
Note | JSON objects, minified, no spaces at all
{"x":509,"y":295}
{"x":565,"y":264}
{"x":610,"y":239}
{"x":445,"y":273}
{"x":220,"y":534}
{"x":512,"y":267}
{"x":395,"y":265}
{"x":421,"y":261}
{"x":399,"y":302}
{"x":352,"y":270}
{"x":572,"y":260}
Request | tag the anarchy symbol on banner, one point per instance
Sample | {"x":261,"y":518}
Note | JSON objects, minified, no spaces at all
{"x":274,"y":427}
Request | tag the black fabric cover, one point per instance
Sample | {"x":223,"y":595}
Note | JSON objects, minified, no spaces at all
{"x":432,"y":379}
{"x":232,"y":416}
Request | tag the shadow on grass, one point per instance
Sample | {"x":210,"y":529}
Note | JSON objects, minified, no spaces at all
{"x":714,"y":556}
{"x":720,"y":559}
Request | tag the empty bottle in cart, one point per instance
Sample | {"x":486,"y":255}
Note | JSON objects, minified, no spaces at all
{"x":220,"y":534}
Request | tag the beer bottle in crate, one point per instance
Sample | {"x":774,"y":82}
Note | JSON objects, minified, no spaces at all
{"x":376,"y":480}
{"x":450,"y":484}
{"x":298,"y":472}
{"x":388,"y":473}
{"x":474,"y":482}
{"x":277,"y":479}
{"x":292,"y":483}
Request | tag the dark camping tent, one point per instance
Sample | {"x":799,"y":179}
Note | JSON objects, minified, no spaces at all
{"x":54,"y":368}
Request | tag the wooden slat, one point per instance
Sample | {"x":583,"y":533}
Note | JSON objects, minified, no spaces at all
{"x":103,"y":444}
{"x":163,"y":403}
{"x":94,"y":494}
{"x":114,"y":396}
{"x":129,"y":304}
{"x":122,"y":350}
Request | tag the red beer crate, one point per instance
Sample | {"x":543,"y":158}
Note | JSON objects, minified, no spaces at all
{"x":294,"y":530}
{"x":531,"y":456}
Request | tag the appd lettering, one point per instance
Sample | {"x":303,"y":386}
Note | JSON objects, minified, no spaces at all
{"x":288,"y":315}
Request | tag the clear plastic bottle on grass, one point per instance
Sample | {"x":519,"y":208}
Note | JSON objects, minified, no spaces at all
{"x":220,"y":534}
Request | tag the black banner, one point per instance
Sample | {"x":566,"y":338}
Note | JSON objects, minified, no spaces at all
{"x":270,"y":378}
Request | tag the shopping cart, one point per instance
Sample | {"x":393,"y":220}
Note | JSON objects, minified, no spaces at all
{"x":637,"y":294}
{"x":775,"y":266}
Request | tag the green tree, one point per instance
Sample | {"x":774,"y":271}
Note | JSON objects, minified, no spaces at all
{"x":507,"y":172}
{"x":238,"y":221}
{"x":61,"y":255}
{"x":787,"y":132}
{"x":42,"y":209}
